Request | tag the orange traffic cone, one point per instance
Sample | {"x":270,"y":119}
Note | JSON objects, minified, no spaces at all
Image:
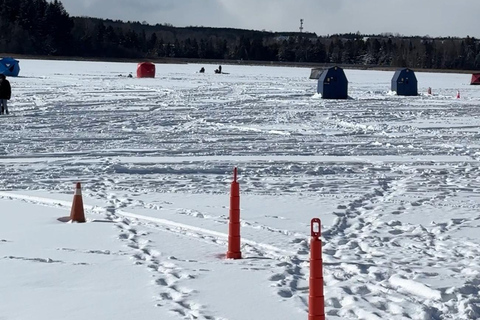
{"x":77,"y":213}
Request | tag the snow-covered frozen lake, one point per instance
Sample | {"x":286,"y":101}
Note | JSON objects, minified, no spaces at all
{"x":395,"y":181}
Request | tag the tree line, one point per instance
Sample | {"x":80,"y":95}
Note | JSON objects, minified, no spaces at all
{"x":41,"y":27}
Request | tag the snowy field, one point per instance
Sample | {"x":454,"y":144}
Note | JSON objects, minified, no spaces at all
{"x":395,"y":181}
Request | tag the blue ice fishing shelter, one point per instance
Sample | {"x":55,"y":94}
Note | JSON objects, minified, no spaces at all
{"x":404,"y":82}
{"x":9,"y":67}
{"x":333,"y":84}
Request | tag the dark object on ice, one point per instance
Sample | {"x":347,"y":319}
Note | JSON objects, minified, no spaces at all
{"x":333,"y":84}
{"x":475,"y":79}
{"x":404,"y":82}
{"x":145,"y":70}
{"x":130,"y":75}
{"x":219,"y":70}
{"x":202,"y":70}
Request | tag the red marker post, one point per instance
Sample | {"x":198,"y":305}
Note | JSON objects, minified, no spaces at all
{"x":316,"y":299}
{"x":234,"y":225}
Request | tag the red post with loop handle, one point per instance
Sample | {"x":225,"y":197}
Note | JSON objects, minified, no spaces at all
{"x":316,"y":300}
{"x":234,"y":225}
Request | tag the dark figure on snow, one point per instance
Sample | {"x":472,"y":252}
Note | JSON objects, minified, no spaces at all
{"x":219,"y":70}
{"x":202,"y":70}
{"x":5,"y":93}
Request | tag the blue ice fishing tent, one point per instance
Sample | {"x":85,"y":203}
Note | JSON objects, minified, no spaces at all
{"x":333,"y":84}
{"x":9,"y":67}
{"x":404,"y":82}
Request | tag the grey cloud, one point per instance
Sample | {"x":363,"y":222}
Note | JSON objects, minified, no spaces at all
{"x":408,"y":17}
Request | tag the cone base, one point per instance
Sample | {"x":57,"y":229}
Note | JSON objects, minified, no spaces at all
{"x":69,"y":219}
{"x":234,"y":255}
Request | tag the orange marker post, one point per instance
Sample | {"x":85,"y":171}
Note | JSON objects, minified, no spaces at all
{"x":77,"y":213}
{"x":234,"y":225}
{"x":316,"y":299}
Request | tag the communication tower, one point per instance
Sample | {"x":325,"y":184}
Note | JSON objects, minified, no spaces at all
{"x":301,"y":25}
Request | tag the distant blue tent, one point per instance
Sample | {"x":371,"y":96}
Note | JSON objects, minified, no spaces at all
{"x":333,"y":84}
{"x":404,"y":82}
{"x":9,"y":67}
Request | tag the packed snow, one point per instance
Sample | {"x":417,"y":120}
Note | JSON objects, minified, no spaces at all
{"x":395,"y":181}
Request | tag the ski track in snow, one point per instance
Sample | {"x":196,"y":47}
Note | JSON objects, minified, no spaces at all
{"x":388,"y":150}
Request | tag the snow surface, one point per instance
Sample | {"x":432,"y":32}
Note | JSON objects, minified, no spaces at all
{"x":395,"y":181}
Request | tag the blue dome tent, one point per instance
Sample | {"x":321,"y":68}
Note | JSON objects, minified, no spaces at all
{"x":9,"y":67}
{"x":404,"y":82}
{"x":333,"y":84}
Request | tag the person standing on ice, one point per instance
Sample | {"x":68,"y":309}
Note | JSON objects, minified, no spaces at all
{"x":5,"y":93}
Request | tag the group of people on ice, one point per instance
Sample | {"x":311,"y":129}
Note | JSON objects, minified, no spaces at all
{"x":219,"y":70}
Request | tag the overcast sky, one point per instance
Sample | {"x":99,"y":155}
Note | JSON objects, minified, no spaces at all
{"x":406,"y":17}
